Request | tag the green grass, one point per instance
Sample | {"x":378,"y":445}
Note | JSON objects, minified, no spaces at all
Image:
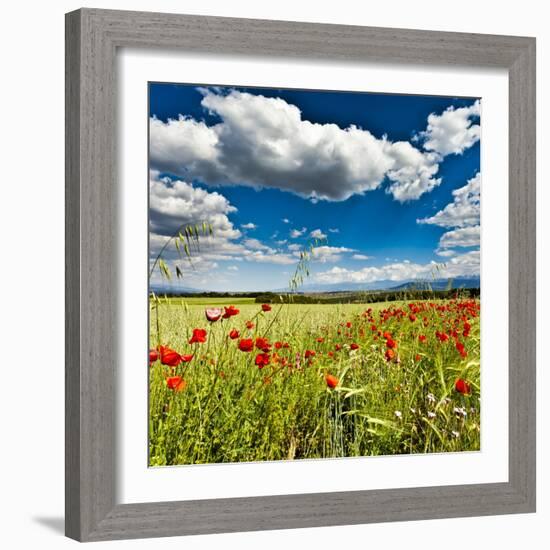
{"x":231,"y":411}
{"x":200,"y":301}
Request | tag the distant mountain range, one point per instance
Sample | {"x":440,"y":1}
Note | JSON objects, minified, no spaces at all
{"x":436,"y":284}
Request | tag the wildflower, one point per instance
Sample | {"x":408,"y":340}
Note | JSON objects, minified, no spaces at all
{"x":153,"y":355}
{"x":266,"y":307}
{"x":262,"y":359}
{"x":249,"y":325}
{"x":390,"y":354}
{"x":354,"y":346}
{"x":397,"y":414}
{"x":413,"y":410}
{"x":348,"y":324}
{"x":431,"y":414}
{"x":338,"y":347}
{"x":230,"y":312}
{"x":412,"y":317}
{"x":309,"y":353}
{"x":247,"y":344}
{"x":199,"y":336}
{"x":263,"y":344}
{"x":460,"y":411}
{"x":441,"y":336}
{"x":386,"y":335}
{"x":187,"y":358}
{"x":422,"y":338}
{"x":460,"y":348}
{"x":431,"y":398}
{"x":417,"y":357}
{"x":176,"y":383}
{"x":234,"y":334}
{"x":213,"y":314}
{"x":455,"y":434}
{"x":331,"y":381}
{"x":463,"y":387}
{"x":169,"y":357}
{"x":391,"y":344}
{"x":278,"y":345}
{"x":320,"y":340}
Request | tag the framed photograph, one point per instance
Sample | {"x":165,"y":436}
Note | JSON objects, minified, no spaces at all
{"x":300,"y":275}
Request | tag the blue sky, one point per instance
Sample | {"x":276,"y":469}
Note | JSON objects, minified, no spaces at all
{"x":390,"y":183}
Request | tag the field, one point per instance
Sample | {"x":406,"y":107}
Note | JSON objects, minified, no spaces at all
{"x":283,"y":382}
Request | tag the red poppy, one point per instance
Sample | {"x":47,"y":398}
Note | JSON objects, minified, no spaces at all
{"x":249,"y":325}
{"x":338,"y":347}
{"x":331,"y":381}
{"x":460,"y":348}
{"x":422,"y":338}
{"x":169,"y":357}
{"x":213,"y":313}
{"x":234,"y":334}
{"x":153,"y":355}
{"x":262,"y":359}
{"x":412,"y":317}
{"x":320,"y":340}
{"x":176,"y":383}
{"x":247,"y":344}
{"x":390,"y":354}
{"x":441,"y":336}
{"x":199,"y":336}
{"x":348,"y":324}
{"x":391,"y":344}
{"x":354,"y":346}
{"x":387,"y":335}
{"x":230,"y":312}
{"x":309,"y":353}
{"x":266,"y":307}
{"x":417,"y":357}
{"x":187,"y":358}
{"x":263,"y":344}
{"x":330,"y":354}
{"x":278,"y":345}
{"x":463,"y":387}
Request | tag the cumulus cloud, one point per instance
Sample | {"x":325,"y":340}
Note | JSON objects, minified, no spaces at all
{"x":174,"y":203}
{"x":264,"y":142}
{"x":465,"y":265}
{"x":453,"y":131}
{"x":295,"y":233}
{"x":361,"y":257}
{"x":328,"y":254}
{"x":333,"y":230}
{"x":464,"y":211}
{"x":463,"y":237}
{"x":249,"y":225}
{"x":318,"y":234}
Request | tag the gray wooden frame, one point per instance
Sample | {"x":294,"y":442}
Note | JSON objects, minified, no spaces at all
{"x":92,"y":39}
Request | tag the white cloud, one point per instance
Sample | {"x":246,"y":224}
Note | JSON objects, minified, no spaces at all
{"x":318,"y":234}
{"x":464,"y":236}
{"x":333,"y":230}
{"x":329,"y":254}
{"x":446,"y":253}
{"x":249,"y":225}
{"x":453,"y":131}
{"x":174,"y":203}
{"x":295,"y":233}
{"x":264,"y":142}
{"x":361,"y":257}
{"x":294,"y":247}
{"x":285,"y":220}
{"x":233,"y":268}
{"x":463,"y":211}
{"x":464,"y":265}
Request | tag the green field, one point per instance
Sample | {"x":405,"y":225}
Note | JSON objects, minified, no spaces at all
{"x":333,"y":381}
